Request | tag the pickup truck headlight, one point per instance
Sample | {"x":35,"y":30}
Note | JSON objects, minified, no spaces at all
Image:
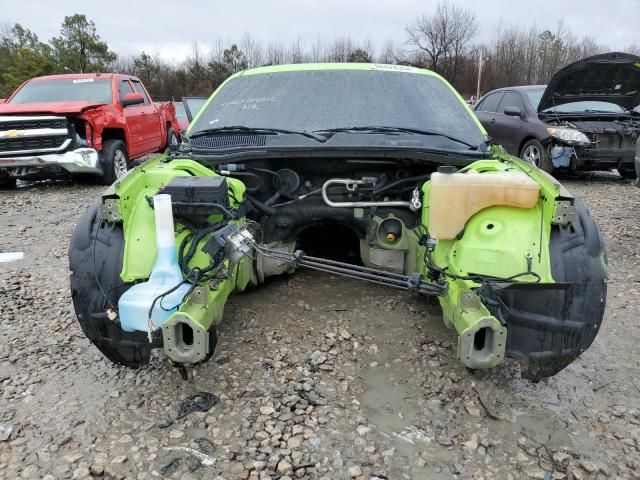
{"x":570,"y":136}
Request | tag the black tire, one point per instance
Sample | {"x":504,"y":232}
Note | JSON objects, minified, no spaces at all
{"x":95,"y":261}
{"x":628,"y":173}
{"x":172,"y":138}
{"x":113,"y":160}
{"x":7,"y":183}
{"x":534,"y":152}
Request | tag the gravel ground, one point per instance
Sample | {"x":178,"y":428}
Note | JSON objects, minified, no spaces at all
{"x":317,"y":377}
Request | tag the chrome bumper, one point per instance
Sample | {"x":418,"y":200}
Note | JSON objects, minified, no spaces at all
{"x":81,"y":160}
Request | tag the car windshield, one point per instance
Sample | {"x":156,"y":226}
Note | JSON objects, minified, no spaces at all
{"x":586,"y":107}
{"x":180,"y":111}
{"x":320,"y":100}
{"x":534,"y":95}
{"x":96,"y":90}
{"x":194,"y":104}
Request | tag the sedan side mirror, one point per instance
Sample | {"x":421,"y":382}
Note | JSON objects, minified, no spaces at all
{"x":132,"y":99}
{"x":513,"y":111}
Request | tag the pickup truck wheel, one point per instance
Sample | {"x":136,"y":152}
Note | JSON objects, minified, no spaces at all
{"x":534,"y":152}
{"x":114,"y":161}
{"x":172,"y":138}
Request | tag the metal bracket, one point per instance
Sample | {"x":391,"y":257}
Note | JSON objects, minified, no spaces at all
{"x":110,"y":210}
{"x":565,"y":213}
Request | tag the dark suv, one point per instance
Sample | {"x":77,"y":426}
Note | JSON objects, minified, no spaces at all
{"x":587,"y":118}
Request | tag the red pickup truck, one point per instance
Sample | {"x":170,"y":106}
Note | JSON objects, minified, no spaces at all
{"x":80,"y":124}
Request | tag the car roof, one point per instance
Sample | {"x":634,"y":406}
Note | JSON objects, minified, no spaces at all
{"x":519,"y":88}
{"x":82,"y":75}
{"x":305,"y":67}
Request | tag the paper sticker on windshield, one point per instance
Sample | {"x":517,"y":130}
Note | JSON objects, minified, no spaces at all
{"x":83,"y":80}
{"x":394,"y":68}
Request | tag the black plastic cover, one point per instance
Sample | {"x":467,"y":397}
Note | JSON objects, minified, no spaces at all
{"x":211,"y":189}
{"x":196,"y":198}
{"x":550,"y":325}
{"x":95,"y":261}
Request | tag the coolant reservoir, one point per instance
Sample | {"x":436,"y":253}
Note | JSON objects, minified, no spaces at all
{"x":135,"y":303}
{"x":456,"y":197}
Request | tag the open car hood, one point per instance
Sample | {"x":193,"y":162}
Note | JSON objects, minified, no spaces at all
{"x":610,"y":77}
{"x":47,"y":107}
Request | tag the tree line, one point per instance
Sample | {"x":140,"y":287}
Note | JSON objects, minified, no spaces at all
{"x":444,"y":40}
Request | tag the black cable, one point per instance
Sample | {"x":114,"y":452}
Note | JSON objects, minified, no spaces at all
{"x":261,"y":206}
{"x":388,"y":186}
{"x":247,"y":174}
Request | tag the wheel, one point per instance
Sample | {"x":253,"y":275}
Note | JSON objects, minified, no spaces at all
{"x":7,"y":183}
{"x":172,"y":138}
{"x":114,"y":161}
{"x":627,"y":173}
{"x":95,"y":262}
{"x":534,"y":152}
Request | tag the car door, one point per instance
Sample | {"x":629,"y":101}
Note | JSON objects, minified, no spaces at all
{"x":151,"y":132}
{"x":135,"y":120}
{"x":486,"y":113}
{"x":511,"y":129}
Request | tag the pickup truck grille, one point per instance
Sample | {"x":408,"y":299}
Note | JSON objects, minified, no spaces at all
{"x":31,"y":144}
{"x":24,"y":135}
{"x":26,"y":124}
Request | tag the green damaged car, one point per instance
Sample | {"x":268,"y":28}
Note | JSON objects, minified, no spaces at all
{"x":375,"y":172}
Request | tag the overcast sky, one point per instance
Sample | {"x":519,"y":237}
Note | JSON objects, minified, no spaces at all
{"x":170,"y":27}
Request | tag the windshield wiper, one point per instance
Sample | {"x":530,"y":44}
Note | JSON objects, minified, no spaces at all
{"x":257,"y":130}
{"x":412,"y":131}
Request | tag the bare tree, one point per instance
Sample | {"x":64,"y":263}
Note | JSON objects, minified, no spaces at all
{"x":274,"y":54}
{"x":443,"y":37}
{"x":252,"y":51}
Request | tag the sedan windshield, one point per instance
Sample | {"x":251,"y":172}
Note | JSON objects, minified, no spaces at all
{"x":180,"y":111}
{"x":95,"y":90}
{"x":585,"y":106}
{"x":322,"y":100}
{"x":534,"y":95}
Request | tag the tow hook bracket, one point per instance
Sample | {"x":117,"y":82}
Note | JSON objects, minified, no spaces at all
{"x":110,"y":210}
{"x":482,"y":345}
{"x":565,"y":213}
{"x":185,"y":341}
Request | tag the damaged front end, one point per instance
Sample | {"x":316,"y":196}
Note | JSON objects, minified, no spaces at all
{"x":592,"y":109}
{"x":519,"y":272}
{"x":588,"y":143}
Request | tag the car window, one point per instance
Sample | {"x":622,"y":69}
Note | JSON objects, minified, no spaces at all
{"x":93,"y":90}
{"x":534,"y":95}
{"x":137,"y":85}
{"x":322,"y":99}
{"x":586,"y":106}
{"x":511,"y":99}
{"x":490,"y":104}
{"x":193,"y":105}
{"x":124,"y":87}
{"x":180,"y":111}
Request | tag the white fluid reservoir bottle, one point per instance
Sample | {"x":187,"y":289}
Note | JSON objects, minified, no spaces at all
{"x":165,"y":286}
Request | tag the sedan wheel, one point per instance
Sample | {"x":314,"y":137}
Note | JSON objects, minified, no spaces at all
{"x":532,"y":155}
{"x":535,"y":153}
